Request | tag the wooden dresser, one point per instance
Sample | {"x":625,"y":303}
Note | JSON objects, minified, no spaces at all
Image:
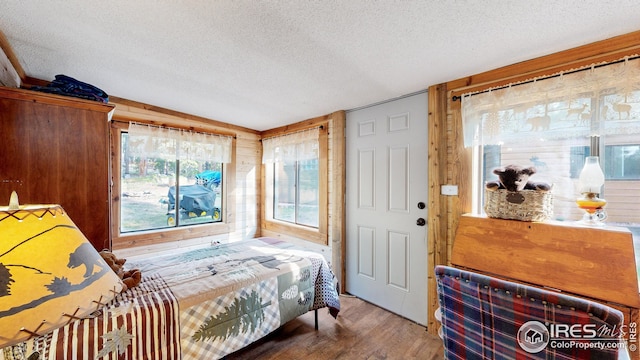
{"x":55,"y":150}
{"x":594,"y":263}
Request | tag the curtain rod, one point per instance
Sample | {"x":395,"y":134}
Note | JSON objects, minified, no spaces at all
{"x":546,"y":77}
{"x":179,"y":129}
{"x":295,"y":132}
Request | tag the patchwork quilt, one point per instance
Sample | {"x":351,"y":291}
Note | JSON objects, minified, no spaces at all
{"x":197,"y":304}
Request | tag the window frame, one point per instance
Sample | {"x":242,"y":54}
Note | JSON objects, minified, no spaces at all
{"x":170,"y":234}
{"x":317,"y":235}
{"x":177,"y":218}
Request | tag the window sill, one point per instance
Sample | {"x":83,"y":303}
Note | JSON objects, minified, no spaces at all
{"x":303,"y":232}
{"x":152,"y":237}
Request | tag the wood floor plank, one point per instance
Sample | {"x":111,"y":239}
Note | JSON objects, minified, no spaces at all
{"x":361,"y":331}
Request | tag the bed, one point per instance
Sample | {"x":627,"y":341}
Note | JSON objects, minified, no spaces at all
{"x":201,"y":303}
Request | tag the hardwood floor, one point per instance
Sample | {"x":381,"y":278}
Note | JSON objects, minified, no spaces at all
{"x":361,"y":331}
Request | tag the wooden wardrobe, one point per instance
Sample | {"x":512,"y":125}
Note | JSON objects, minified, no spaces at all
{"x":55,"y":150}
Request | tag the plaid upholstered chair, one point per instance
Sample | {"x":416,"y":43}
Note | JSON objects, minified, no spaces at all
{"x":487,"y":318}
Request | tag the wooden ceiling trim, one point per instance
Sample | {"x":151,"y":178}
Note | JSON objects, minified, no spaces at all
{"x":598,"y":52}
{"x":301,"y":125}
{"x":129,"y":110}
{"x":13,"y":59}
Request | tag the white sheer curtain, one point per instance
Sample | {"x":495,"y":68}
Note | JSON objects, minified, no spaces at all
{"x":301,"y":145}
{"x":171,"y":144}
{"x":599,"y":100}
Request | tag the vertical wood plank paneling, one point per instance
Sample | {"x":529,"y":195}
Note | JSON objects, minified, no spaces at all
{"x":337,"y":200}
{"x":242,"y":185}
{"x":456,"y":167}
{"x":461,"y":163}
{"x":438,"y":205}
{"x":323,"y":180}
{"x":302,"y":233}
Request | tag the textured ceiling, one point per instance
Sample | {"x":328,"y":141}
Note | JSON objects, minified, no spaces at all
{"x":263,"y":64}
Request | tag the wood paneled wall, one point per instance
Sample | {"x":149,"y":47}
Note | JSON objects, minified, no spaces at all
{"x":333,"y":239}
{"x":279,"y":228}
{"x":242,"y":194}
{"x":244,"y":189}
{"x":456,"y":169}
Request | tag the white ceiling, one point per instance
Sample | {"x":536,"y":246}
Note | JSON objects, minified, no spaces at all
{"x":264,"y":64}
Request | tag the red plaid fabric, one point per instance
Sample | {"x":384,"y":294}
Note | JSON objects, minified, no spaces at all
{"x":488,"y":318}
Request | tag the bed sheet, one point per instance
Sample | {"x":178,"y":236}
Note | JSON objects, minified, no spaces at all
{"x":231,"y":295}
{"x":196,"y":304}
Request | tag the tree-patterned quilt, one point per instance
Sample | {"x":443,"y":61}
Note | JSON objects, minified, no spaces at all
{"x":205,"y":303}
{"x":231,"y":295}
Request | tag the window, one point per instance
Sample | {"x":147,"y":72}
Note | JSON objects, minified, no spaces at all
{"x":295,"y":189}
{"x":170,"y":178}
{"x":491,"y":160}
{"x":577,"y":157}
{"x":622,"y":162}
{"x":295,"y":183}
{"x":552,"y":124}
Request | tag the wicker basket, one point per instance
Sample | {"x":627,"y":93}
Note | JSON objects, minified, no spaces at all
{"x":525,"y":205}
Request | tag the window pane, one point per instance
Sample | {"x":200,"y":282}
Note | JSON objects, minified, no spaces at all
{"x":200,"y":200}
{"x":556,"y":162}
{"x":284,"y":190}
{"x":296,"y":192}
{"x":148,"y":192}
{"x":308,"y":193}
{"x":622,"y":162}
{"x":144,"y":184}
{"x":578,"y":156}
{"x":559,"y":162}
{"x":491,"y":159}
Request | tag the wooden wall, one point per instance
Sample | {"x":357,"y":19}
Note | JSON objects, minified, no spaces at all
{"x":333,"y":248}
{"x":242,"y":186}
{"x":455,"y":166}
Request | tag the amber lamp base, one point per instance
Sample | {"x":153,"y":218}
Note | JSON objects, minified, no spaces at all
{"x":594,"y":209}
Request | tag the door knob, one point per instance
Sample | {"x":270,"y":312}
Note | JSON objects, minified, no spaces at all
{"x":421,"y":222}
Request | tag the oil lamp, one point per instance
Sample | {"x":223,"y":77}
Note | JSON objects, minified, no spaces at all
{"x":589,"y":185}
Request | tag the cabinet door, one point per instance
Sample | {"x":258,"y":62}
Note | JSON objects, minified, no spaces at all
{"x":56,"y":154}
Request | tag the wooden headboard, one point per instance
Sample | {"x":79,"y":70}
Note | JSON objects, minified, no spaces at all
{"x":594,"y":263}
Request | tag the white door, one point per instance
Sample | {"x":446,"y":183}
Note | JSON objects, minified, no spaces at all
{"x":386,"y":198}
